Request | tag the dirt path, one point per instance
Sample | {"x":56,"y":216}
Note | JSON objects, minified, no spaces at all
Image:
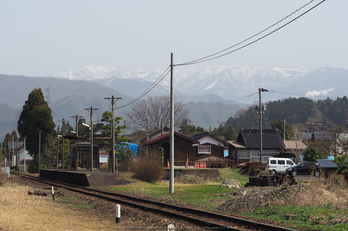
{"x":20,"y":211}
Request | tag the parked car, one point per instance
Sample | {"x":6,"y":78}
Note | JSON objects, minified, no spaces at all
{"x":279,"y":165}
{"x":304,"y":168}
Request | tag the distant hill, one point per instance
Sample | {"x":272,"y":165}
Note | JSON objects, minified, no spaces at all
{"x":70,"y":97}
{"x":67,"y":97}
{"x":295,"y":111}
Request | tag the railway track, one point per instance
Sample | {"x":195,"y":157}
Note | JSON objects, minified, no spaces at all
{"x":210,"y":220}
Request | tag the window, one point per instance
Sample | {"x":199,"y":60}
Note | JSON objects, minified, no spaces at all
{"x":281,"y":161}
{"x":243,"y":154}
{"x":204,"y":150}
{"x":255,"y":153}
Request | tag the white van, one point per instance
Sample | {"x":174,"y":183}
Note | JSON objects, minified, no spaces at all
{"x":279,"y":165}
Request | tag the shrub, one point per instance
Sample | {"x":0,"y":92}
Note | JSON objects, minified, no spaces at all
{"x":3,"y":177}
{"x":126,"y":159}
{"x":148,"y":169}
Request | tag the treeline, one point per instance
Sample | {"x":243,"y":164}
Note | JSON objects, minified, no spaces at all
{"x":295,"y":112}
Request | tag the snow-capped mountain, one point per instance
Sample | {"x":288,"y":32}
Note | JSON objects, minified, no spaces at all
{"x":232,"y":83}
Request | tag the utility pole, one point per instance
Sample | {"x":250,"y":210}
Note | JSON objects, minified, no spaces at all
{"x":39,"y":150}
{"x":113,"y":101}
{"x":260,"y":113}
{"x":17,"y":153}
{"x":77,"y":117}
{"x":12,"y":151}
{"x":284,"y":130}
{"x":24,"y":155}
{"x":57,"y":147}
{"x":91,"y":110}
{"x":63,"y":133}
{"x":171,"y":152}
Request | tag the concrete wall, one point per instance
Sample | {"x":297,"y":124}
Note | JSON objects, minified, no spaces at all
{"x":209,"y":174}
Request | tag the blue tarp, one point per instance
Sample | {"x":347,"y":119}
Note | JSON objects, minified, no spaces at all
{"x":129,"y":146}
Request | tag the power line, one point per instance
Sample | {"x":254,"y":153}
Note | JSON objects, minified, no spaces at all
{"x":159,"y":79}
{"x":216,"y":55}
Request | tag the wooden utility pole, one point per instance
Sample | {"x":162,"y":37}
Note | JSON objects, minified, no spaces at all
{"x":260,"y":113}
{"x":284,"y":130}
{"x":113,"y":101}
{"x":63,"y":133}
{"x":39,"y":150}
{"x":76,"y":117}
{"x":57,"y":147}
{"x":91,"y":110}
{"x":171,"y":153}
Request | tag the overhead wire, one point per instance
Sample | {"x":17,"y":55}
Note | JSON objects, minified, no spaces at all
{"x":153,"y":85}
{"x":216,"y":55}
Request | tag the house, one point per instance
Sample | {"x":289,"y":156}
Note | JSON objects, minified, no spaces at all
{"x":247,"y":146}
{"x":296,"y":147}
{"x":165,"y":130}
{"x":183,"y":147}
{"x":209,"y":145}
{"x":212,"y":161}
{"x":19,"y":155}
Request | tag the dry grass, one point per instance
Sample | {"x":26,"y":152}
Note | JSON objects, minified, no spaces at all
{"x":149,"y":170}
{"x":321,"y":192}
{"x":20,"y":211}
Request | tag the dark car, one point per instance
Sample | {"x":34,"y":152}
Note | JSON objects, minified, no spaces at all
{"x":304,"y":168}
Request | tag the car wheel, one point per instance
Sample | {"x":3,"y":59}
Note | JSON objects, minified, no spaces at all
{"x":273,"y":172}
{"x":317,"y":173}
{"x":294,"y":173}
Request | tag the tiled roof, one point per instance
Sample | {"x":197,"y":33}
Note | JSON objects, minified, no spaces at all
{"x":270,"y":138}
{"x":294,"y":145}
{"x":204,"y":134}
{"x":164,"y":136}
{"x":327,"y":163}
{"x":236,"y":144}
{"x":199,"y":135}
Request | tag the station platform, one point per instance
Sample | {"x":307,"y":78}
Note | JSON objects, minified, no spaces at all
{"x":96,"y":177}
{"x":81,"y":177}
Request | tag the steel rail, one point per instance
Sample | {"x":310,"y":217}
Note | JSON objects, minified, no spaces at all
{"x":189,"y":211}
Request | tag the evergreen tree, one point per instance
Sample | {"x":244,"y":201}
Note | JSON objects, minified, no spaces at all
{"x":189,"y":130}
{"x":289,"y":130}
{"x":6,"y":150}
{"x":314,"y":152}
{"x":35,"y":118}
{"x":107,"y":120}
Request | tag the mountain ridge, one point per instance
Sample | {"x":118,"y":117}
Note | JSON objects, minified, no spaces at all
{"x":233,"y":83}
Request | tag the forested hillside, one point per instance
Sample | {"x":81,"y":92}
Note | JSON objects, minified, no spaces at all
{"x":294,"y":111}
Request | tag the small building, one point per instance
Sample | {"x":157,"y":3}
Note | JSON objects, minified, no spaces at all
{"x":183,"y":147}
{"x":296,"y":147}
{"x":213,"y":161}
{"x":103,"y":160}
{"x":247,"y":146}
{"x":327,"y":166}
{"x":209,"y":145}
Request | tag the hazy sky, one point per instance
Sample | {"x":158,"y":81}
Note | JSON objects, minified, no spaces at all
{"x":41,"y":38}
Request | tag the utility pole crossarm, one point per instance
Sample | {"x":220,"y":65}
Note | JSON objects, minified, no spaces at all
{"x":113,"y":100}
{"x":260,"y":117}
{"x":77,"y":117}
{"x":91,"y":110}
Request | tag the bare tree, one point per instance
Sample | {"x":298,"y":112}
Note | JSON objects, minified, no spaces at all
{"x":153,"y":113}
